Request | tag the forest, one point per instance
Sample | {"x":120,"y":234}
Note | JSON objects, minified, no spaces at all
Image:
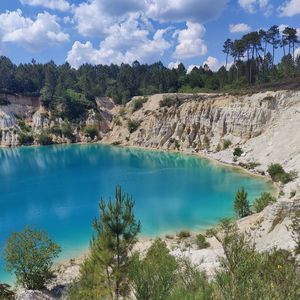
{"x":253,"y":64}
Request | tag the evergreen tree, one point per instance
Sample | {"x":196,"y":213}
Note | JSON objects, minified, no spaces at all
{"x":116,"y":232}
{"x":241,"y":203}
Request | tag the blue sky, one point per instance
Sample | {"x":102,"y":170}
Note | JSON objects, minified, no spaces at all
{"x":116,"y":31}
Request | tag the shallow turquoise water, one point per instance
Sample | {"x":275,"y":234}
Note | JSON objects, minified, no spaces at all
{"x":57,"y":188}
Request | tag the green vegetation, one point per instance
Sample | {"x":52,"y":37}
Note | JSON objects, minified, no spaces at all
{"x":44,"y":138}
{"x":26,"y":138}
{"x":237,"y":151}
{"x":277,"y":173}
{"x":264,"y":200}
{"x":154,"y":276}
{"x":90,"y":131}
{"x":29,"y":254}
{"x":201,"y":241}
{"x":5,"y":292}
{"x":138,"y":103}
{"x":295,"y":227}
{"x":169,"y":102}
{"x":247,"y":274}
{"x":183,"y":234}
{"x":226,"y":144}
{"x":241,"y":204}
{"x":111,"y":271}
{"x":132,"y":125}
{"x":104,"y":274}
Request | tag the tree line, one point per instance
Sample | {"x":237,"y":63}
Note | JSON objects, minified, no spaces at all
{"x":253,"y":62}
{"x":255,"y":53}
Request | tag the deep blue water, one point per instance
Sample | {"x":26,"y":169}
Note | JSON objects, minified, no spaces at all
{"x":57,"y":188}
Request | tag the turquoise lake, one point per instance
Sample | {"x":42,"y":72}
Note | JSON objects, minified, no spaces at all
{"x":57,"y":188}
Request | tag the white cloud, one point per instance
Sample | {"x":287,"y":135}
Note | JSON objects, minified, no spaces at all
{"x":62,"y":5}
{"x":32,"y":34}
{"x":97,"y":16}
{"x":191,"y":67}
{"x":125,"y":42}
{"x":185,"y":10}
{"x":213,"y":63}
{"x":93,"y":17}
{"x":289,"y":8}
{"x":190,"y":42}
{"x":241,"y":27}
{"x":252,"y":6}
{"x":173,"y":65}
{"x":297,"y":52}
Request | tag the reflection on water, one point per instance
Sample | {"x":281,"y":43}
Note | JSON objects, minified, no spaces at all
{"x":57,"y":188}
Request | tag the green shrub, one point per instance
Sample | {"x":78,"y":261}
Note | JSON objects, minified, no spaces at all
{"x":4,"y":102}
{"x":155,"y":276}
{"x":133,"y":125}
{"x":67,"y":130}
{"x":29,"y":254}
{"x":191,"y":284}
{"x":277,"y":173}
{"x":226,"y":144}
{"x":90,"y":131}
{"x":23,"y":126}
{"x":183,"y":234}
{"x":264,"y":200}
{"x":26,"y":138}
{"x":292,"y":194}
{"x":169,"y":102}
{"x":237,"y":151}
{"x":201,"y":241}
{"x":44,"y":138}
{"x":138,"y":103}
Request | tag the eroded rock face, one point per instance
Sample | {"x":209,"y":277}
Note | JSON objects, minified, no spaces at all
{"x":240,"y":118}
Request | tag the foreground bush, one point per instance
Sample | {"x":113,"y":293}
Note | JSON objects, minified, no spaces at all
{"x":264,"y":200}
{"x":247,"y":274}
{"x":6,"y":293}
{"x":154,"y":276}
{"x":29,"y":254}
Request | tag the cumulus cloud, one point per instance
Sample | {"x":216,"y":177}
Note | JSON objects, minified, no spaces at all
{"x":238,"y":28}
{"x":289,"y":8}
{"x":185,"y":10}
{"x":95,"y":17}
{"x":191,"y":67}
{"x":173,"y":64}
{"x":62,"y":5}
{"x":125,"y":42}
{"x":213,"y":63}
{"x":297,"y":52}
{"x":32,"y":34}
{"x":252,"y":6}
{"x":190,"y":42}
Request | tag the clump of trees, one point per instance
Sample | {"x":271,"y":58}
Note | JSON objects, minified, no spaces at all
{"x":29,"y":254}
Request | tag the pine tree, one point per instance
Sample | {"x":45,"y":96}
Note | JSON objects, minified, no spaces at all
{"x":116,"y":233}
{"x":241,"y":203}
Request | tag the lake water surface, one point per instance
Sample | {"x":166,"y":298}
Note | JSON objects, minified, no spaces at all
{"x":57,"y":188}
